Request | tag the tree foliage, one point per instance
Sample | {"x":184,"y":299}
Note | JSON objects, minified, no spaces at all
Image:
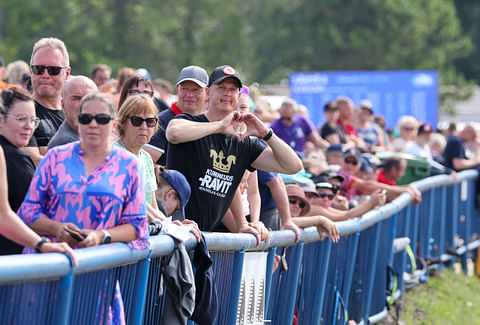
{"x":265,"y":40}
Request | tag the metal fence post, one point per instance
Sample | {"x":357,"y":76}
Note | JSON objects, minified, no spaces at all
{"x":140,"y":294}
{"x":63,"y":300}
{"x":235,"y":287}
{"x":371,"y":277}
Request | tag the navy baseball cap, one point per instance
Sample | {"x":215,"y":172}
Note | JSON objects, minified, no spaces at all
{"x":179,"y":184}
{"x":335,"y":147}
{"x":223,"y":72}
{"x":193,"y":73}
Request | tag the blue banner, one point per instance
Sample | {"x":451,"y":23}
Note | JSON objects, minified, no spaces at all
{"x":393,"y":93}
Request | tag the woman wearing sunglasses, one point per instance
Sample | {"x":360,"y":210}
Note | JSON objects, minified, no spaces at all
{"x":136,"y":85}
{"x":299,"y":209}
{"x":137,"y":123}
{"x":91,"y":187}
{"x":322,"y":198}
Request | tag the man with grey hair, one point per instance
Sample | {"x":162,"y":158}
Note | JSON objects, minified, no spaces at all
{"x":74,"y":90}
{"x":50,"y":69}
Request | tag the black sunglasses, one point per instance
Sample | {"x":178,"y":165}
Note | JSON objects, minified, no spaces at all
{"x":139,"y":92}
{"x":85,"y":118}
{"x":293,"y":200}
{"x":351,"y":161}
{"x":323,"y":194}
{"x":53,"y":71}
{"x":137,"y":121}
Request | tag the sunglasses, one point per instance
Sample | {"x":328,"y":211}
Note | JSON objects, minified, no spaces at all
{"x":53,"y":71}
{"x":323,"y":195}
{"x":137,"y":121}
{"x":85,"y":118}
{"x":293,"y":200}
{"x":351,"y":162}
{"x":139,"y":92}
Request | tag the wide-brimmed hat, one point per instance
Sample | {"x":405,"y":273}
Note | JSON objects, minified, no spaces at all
{"x":293,"y":190}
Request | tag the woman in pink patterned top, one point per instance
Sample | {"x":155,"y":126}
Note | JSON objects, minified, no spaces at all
{"x":90,"y":187}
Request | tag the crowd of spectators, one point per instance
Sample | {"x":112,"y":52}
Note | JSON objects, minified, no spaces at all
{"x":94,"y":160}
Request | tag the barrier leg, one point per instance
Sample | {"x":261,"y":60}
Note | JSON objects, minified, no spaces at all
{"x":235,"y":287}
{"x":63,"y":300}
{"x":140,"y":294}
{"x":268,"y":280}
{"x":371,"y":277}
{"x":349,"y":270}
{"x":286,"y":310}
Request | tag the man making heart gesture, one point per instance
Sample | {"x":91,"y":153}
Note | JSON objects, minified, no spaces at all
{"x":213,"y":151}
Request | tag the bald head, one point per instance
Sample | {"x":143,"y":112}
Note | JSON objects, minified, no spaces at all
{"x":468,"y":133}
{"x":74,"y":90}
{"x":346,"y":108}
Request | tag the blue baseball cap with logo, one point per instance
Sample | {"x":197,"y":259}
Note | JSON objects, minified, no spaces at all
{"x":179,"y":184}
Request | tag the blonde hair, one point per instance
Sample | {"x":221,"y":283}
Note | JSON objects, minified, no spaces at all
{"x":53,"y":44}
{"x":16,"y":70}
{"x":135,"y":105}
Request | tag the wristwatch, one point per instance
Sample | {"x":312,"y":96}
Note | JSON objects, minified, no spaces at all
{"x":107,"y":238}
{"x":40,"y":243}
{"x":268,"y":135}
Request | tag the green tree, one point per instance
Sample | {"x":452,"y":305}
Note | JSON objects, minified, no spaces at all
{"x":468,"y":13}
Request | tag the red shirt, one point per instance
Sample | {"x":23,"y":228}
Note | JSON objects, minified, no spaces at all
{"x":175,"y":109}
{"x":349,"y":128}
{"x":382,"y":179}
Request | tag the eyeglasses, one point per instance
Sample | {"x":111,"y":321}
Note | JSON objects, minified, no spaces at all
{"x":286,"y":118}
{"x":294,"y":200}
{"x":137,"y":121}
{"x":323,"y":195}
{"x":102,"y":118}
{"x":353,"y":162}
{"x":139,"y":92}
{"x":25,"y":119}
{"x":53,"y":71}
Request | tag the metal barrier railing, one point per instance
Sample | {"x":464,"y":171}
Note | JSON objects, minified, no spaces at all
{"x":325,"y":283}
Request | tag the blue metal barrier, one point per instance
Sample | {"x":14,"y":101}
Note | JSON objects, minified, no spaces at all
{"x":325,"y":283}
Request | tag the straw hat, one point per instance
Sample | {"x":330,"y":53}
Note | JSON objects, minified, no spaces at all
{"x":295,"y":191}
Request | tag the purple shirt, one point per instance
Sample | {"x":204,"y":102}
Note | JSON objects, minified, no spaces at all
{"x":113,"y":194}
{"x":296,"y":134}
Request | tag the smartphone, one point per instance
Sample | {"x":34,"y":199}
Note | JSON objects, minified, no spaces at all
{"x":75,"y":234}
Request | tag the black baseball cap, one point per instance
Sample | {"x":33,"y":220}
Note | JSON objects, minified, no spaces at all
{"x":223,"y":72}
{"x":330,"y":106}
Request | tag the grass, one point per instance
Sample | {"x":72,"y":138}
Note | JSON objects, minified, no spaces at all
{"x":446,"y":298}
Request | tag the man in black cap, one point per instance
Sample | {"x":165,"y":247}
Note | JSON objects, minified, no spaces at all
{"x":191,"y":92}
{"x":212,"y":154}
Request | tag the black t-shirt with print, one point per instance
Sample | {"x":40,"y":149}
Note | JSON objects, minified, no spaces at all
{"x":214,"y":166}
{"x":50,"y":121}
